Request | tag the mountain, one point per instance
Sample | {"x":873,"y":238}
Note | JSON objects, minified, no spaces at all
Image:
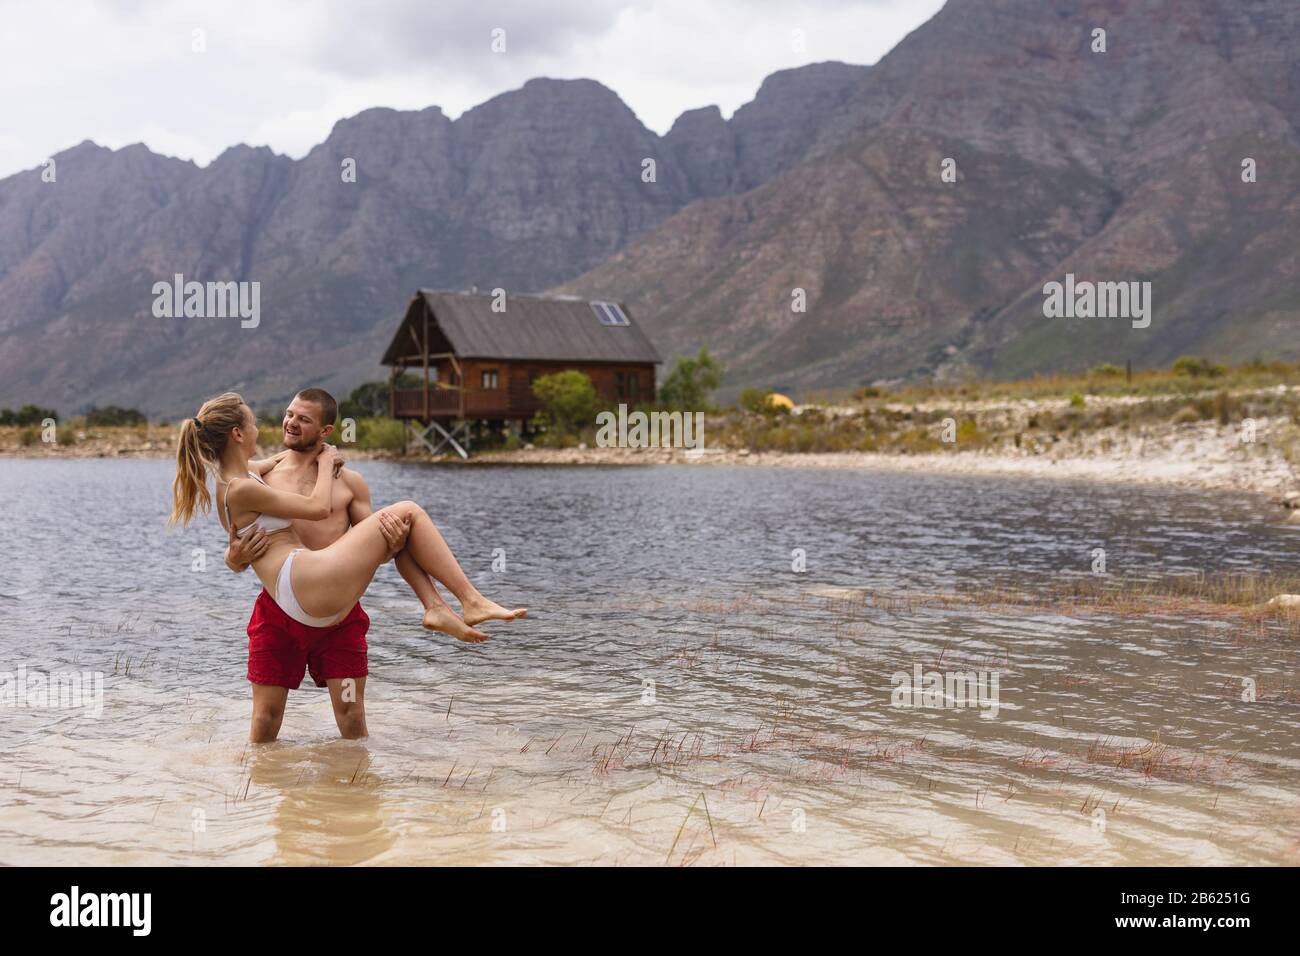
{"x":528,"y":189}
{"x":1123,"y":165}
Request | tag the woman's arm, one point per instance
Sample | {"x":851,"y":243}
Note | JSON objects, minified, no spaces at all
{"x":255,"y":496}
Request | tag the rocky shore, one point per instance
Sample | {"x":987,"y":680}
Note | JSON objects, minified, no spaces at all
{"x":1202,"y":455}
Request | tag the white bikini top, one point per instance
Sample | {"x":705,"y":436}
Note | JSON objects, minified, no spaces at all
{"x":268,"y":523}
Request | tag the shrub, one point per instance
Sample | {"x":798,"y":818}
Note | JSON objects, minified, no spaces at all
{"x":689,"y":386}
{"x":1195,"y":367}
{"x":755,"y":400}
{"x":1106,"y":370}
{"x":382,"y":433}
{"x":27,"y":415}
{"x":111,"y":415}
{"x":569,"y":399}
{"x":1076,"y":400}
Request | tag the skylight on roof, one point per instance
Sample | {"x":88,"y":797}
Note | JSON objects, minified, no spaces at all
{"x":609,"y":313}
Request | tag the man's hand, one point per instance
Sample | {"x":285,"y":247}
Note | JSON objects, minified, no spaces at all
{"x":244,"y":551}
{"x":395,"y":531}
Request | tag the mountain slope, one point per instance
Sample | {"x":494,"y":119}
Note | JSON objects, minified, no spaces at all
{"x":525,"y":190}
{"x":1123,"y":165}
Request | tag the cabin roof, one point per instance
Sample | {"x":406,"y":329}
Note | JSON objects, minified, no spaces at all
{"x":537,"y":328}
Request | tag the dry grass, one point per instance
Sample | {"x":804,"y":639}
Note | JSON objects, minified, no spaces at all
{"x":1159,"y":760}
{"x":1239,"y":596}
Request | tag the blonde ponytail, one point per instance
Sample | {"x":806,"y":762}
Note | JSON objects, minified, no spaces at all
{"x":202,"y":440}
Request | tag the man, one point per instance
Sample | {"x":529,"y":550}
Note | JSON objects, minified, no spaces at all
{"x":280,"y":649}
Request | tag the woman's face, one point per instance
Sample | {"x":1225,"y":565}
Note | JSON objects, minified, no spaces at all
{"x":248,"y":433}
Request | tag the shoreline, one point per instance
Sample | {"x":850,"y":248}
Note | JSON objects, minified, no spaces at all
{"x":1203,"y":456}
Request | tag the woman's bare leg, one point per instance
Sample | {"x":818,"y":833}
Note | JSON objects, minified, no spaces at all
{"x":331,"y":580}
{"x":438,"y":615}
{"x":426,"y":545}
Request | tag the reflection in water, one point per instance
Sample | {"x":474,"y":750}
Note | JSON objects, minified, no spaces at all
{"x":679,"y":694}
{"x":327,"y":804}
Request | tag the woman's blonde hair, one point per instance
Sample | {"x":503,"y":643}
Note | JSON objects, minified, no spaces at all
{"x":202,"y":440}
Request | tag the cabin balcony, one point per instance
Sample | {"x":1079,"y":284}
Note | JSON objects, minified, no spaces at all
{"x":487,"y":404}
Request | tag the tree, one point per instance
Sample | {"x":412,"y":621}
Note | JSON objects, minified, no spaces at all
{"x":114,"y":415}
{"x":570,"y":400}
{"x":689,"y":386}
{"x":27,"y":415}
{"x":370,"y":399}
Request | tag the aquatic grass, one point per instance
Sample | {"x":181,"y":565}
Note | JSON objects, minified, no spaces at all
{"x":1223,"y":595}
{"x":1157,"y":759}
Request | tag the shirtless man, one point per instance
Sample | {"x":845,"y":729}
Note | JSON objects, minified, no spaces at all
{"x":280,"y":649}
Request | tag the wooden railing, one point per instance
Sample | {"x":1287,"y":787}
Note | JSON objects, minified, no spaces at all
{"x":478,"y":403}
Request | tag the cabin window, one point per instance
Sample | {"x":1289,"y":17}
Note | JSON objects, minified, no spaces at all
{"x":633,"y":386}
{"x":620,"y":385}
{"x":491,"y":378}
{"x":609,"y":313}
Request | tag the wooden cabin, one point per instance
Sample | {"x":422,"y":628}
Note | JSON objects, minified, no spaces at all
{"x":478,"y":365}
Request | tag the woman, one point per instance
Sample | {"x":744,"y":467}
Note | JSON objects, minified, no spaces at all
{"x":316,"y":588}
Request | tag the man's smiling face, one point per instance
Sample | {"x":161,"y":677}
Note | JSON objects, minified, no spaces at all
{"x":303,"y":430}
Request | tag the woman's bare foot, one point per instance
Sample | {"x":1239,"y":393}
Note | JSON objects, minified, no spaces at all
{"x":480,"y":609}
{"x":444,"y":619}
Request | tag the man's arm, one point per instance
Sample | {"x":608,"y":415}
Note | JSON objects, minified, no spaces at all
{"x":359,"y":509}
{"x":395,"y":531}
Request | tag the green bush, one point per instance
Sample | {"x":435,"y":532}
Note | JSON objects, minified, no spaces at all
{"x":378,"y":432}
{"x":1076,"y":400}
{"x":689,"y":386}
{"x":569,"y":400}
{"x":111,"y":415}
{"x":27,"y":415}
{"x":1195,"y":367}
{"x":1106,"y":370}
{"x":755,"y":400}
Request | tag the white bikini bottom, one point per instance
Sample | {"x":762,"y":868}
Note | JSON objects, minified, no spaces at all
{"x":288,"y":601}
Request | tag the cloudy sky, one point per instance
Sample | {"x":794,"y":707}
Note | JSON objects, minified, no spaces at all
{"x":281,"y":72}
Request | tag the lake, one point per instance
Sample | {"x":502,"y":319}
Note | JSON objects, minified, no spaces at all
{"x":699,"y":681}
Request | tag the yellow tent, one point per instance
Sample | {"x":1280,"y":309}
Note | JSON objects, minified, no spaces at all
{"x":777,"y":400}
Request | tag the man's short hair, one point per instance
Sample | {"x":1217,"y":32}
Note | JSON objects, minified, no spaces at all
{"x":329,"y":408}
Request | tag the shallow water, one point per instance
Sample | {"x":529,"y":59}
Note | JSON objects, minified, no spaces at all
{"x":678,"y":694}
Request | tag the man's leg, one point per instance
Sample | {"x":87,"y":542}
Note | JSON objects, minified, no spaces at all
{"x":275,"y":666}
{"x":339,"y":661}
{"x":268,"y":712}
{"x":348,"y":695}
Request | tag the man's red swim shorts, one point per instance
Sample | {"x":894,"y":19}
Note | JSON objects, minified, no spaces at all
{"x":281,"y":650}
